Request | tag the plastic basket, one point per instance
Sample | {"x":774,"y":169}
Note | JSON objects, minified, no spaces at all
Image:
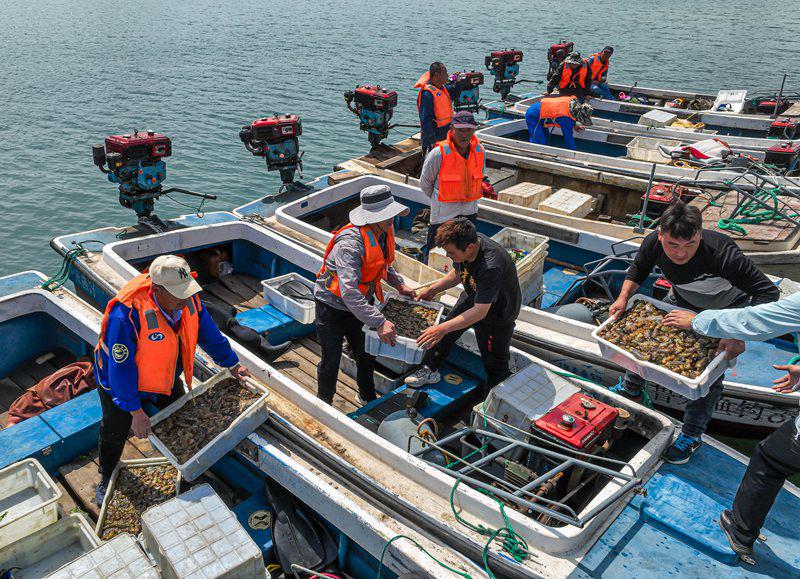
{"x":112,"y":483}
{"x":646,"y":149}
{"x":692,"y":388}
{"x":50,"y":548}
{"x":405,"y":349}
{"x":120,"y":557}
{"x":225,"y":441}
{"x":530,"y":269}
{"x":28,"y":500}
{"x":301,"y":311}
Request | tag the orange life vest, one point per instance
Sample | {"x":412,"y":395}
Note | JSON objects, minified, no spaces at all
{"x":157,"y":346}
{"x":442,"y":104}
{"x":554,"y":107}
{"x":597,"y":67}
{"x":573,"y":79}
{"x":374,"y":264}
{"x":460,"y":179}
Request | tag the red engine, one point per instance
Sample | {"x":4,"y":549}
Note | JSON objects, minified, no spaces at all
{"x":144,"y":146}
{"x":785,"y":156}
{"x":374,"y":97}
{"x":559,"y":51}
{"x":275,"y":128}
{"x":503,"y":57}
{"x":580,"y":421}
{"x":784,"y":128}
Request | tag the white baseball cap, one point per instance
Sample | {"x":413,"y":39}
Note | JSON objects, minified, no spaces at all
{"x":174,"y":275}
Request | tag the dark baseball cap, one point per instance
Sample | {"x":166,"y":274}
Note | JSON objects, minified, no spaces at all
{"x":609,"y":49}
{"x":464,"y":120}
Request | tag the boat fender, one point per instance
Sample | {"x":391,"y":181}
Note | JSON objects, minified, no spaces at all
{"x":297,"y":536}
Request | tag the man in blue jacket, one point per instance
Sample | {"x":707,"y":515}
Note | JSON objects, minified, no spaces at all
{"x":148,"y":337}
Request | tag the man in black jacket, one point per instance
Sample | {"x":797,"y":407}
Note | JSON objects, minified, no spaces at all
{"x":707,"y":271}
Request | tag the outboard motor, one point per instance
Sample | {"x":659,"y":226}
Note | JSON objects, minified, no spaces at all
{"x":504,"y":66}
{"x":135,"y":162}
{"x":276,"y":139}
{"x":556,"y":55}
{"x":467,"y":90}
{"x":374,"y":107}
{"x":784,"y":128}
{"x":786,"y":157}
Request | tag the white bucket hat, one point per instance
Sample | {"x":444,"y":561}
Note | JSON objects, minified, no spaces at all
{"x":377,"y":204}
{"x":174,"y":275}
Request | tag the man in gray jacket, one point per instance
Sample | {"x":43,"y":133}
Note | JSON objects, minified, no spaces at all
{"x":356,"y":261}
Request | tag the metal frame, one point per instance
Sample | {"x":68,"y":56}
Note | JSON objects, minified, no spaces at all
{"x":523,"y":496}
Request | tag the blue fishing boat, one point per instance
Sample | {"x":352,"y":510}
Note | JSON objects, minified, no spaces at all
{"x":465,"y":479}
{"x":42,"y":331}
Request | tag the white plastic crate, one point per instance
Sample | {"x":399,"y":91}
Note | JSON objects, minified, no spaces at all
{"x":730,"y":101}
{"x":226,"y":440}
{"x":438,"y":260}
{"x":657,"y":119}
{"x":50,"y":548}
{"x":120,"y":557}
{"x":196,"y":535}
{"x":302,"y":311}
{"x":28,"y":500}
{"x":691,"y":388}
{"x":525,"y":396}
{"x":405,"y":349}
{"x":530,"y":269}
{"x":525,"y":194}
{"x":646,"y":149}
{"x":112,"y":484}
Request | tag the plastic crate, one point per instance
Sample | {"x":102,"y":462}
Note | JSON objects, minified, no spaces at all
{"x":112,"y":483}
{"x":530,"y":269}
{"x":657,"y":119}
{"x":301,"y":311}
{"x":691,"y":388}
{"x":405,"y":349}
{"x":646,"y":149}
{"x":120,"y":557}
{"x":28,"y":500}
{"x":225,"y":441}
{"x":50,"y":548}
{"x":438,"y":260}
{"x":196,"y":535}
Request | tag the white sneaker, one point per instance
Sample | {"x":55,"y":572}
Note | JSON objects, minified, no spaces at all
{"x":422,"y":376}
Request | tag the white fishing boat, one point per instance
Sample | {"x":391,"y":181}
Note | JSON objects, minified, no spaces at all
{"x":590,"y":526}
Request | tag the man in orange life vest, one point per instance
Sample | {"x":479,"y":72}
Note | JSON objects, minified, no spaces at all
{"x":148,"y":337}
{"x":565,"y":112}
{"x":435,"y":105}
{"x":452,"y":175}
{"x":571,"y":77}
{"x":598,"y":72}
{"x":358,"y":258}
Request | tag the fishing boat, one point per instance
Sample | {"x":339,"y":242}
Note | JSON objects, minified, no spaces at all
{"x":619,"y":212}
{"x":42,"y":331}
{"x":575,"y":259}
{"x":443,"y":479}
{"x":723,"y":122}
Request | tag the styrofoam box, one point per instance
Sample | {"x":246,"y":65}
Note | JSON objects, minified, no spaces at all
{"x":569,"y":202}
{"x":120,"y":557}
{"x":692,"y":388}
{"x":226,"y":440}
{"x":112,"y":483}
{"x":520,"y":399}
{"x":405,"y":349}
{"x":646,"y":149}
{"x":28,"y":500}
{"x":658,"y":119}
{"x":196,"y":535}
{"x":525,"y":194}
{"x":438,"y":260}
{"x":50,"y":548}
{"x":530,"y":269}
{"x":301,"y":311}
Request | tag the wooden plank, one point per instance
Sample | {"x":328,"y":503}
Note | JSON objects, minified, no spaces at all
{"x":62,"y":357}
{"x":22,"y":379}
{"x":249,"y":297}
{"x":251,"y":282}
{"x":9,"y":392}
{"x":67,"y":502}
{"x":36,"y":370}
{"x":221,"y":292}
{"x":305,"y":374}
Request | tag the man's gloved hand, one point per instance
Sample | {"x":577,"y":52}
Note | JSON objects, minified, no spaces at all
{"x":141,"y":424}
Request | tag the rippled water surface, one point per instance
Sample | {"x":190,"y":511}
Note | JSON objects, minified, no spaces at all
{"x":72,"y":72}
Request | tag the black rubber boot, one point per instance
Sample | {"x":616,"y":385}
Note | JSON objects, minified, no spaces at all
{"x":270,"y":353}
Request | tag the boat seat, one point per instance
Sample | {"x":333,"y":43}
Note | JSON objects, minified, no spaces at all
{"x":273,"y":323}
{"x":689,"y":514}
